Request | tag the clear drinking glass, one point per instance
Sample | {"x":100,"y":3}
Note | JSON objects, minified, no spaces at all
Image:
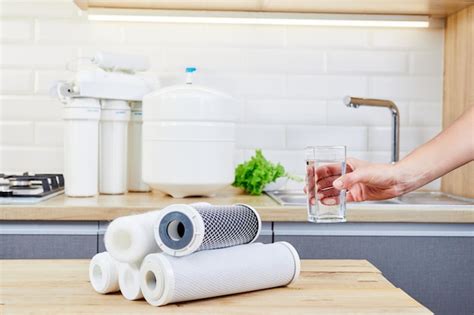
{"x":325,"y":161}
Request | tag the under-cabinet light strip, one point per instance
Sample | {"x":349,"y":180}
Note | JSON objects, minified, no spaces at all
{"x":261,"y":18}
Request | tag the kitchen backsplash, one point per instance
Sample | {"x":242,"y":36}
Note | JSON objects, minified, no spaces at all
{"x":289,"y":80}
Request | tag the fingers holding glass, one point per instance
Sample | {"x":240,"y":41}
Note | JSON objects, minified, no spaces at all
{"x":326,"y":183}
{"x":328,"y":170}
{"x":325,"y":164}
{"x":311,"y":183}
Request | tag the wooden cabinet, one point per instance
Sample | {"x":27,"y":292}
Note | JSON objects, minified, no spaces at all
{"x":459,"y":91}
{"x":421,"y":7}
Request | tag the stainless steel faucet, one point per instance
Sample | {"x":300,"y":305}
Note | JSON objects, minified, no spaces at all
{"x":355,"y":102}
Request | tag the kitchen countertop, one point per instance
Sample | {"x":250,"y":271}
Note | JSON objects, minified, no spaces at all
{"x":108,"y":207}
{"x":324,"y":286}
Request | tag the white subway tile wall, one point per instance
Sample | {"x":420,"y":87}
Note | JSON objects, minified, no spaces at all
{"x":290,"y":81}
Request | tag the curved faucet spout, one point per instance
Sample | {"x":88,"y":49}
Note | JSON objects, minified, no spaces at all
{"x":355,"y":102}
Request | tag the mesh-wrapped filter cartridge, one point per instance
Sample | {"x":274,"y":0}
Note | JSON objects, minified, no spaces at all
{"x":166,"y":279}
{"x":103,"y":273}
{"x":183,"y":229}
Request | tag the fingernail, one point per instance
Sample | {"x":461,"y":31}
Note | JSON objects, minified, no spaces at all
{"x":337,"y":183}
{"x":320,"y":196}
{"x":330,"y":201}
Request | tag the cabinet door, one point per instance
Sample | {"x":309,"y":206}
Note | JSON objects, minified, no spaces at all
{"x":431,"y":262}
{"x":102,"y":228}
{"x":266,"y":234}
{"x":47,"y":240}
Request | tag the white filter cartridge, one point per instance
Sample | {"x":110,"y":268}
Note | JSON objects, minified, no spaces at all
{"x":124,"y":62}
{"x":166,"y":279}
{"x":103,"y":273}
{"x":114,"y":119}
{"x":81,"y":146}
{"x":183,"y":229}
{"x":129,"y":281}
{"x":134,"y":176}
{"x":129,"y":239}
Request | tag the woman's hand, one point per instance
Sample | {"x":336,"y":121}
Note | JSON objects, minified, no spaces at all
{"x":363,"y":181}
{"x":450,"y":149}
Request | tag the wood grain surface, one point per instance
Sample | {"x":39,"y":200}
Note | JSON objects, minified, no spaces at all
{"x":423,"y":7}
{"x":459,"y":91}
{"x":324,"y":287}
{"x":109,"y":207}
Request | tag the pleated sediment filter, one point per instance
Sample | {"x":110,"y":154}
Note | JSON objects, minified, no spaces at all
{"x":183,"y":229}
{"x":166,"y":279}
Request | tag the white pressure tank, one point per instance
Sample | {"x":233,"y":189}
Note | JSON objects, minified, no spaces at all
{"x":188,"y":140}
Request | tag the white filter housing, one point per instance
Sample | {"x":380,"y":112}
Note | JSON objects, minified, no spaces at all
{"x":113,"y":147}
{"x":188,"y":140}
{"x":103,"y":84}
{"x":81,"y":146}
{"x":121,"y":62}
{"x":134,"y":176}
{"x":166,"y":279}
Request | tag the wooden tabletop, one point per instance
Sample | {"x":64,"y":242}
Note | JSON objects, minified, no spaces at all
{"x":109,"y":207}
{"x":324,"y":287}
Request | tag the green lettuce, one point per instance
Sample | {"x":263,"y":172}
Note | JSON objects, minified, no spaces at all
{"x":253,"y":175}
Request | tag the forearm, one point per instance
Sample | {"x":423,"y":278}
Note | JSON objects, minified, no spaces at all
{"x":450,"y":149}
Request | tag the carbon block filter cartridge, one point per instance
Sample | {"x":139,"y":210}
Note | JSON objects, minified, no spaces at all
{"x":183,"y":229}
{"x":129,"y":239}
{"x":103,"y":273}
{"x":166,"y":279}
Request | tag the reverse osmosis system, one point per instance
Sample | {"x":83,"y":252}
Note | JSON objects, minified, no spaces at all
{"x":100,"y":104}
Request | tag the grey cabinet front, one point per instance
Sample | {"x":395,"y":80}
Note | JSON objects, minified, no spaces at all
{"x":266,"y":234}
{"x":30,"y":240}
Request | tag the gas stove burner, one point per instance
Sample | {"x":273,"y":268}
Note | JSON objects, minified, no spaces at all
{"x":30,"y":188}
{"x":5,"y":190}
{"x":20,"y":183}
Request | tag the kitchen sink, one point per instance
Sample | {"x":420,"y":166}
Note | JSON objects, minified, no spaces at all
{"x":298,"y":198}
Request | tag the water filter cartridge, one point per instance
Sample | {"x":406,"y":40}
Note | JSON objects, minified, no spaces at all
{"x":113,"y":147}
{"x":81,"y":146}
{"x":129,"y":239}
{"x":134,"y":176}
{"x":123,"y":62}
{"x":103,"y":273}
{"x":183,"y":229}
{"x":129,"y":281}
{"x":166,"y":279}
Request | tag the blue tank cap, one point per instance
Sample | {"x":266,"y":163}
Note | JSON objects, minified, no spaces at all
{"x":190,"y":69}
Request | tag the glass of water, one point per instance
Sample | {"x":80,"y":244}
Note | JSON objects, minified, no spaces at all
{"x":323,"y":165}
